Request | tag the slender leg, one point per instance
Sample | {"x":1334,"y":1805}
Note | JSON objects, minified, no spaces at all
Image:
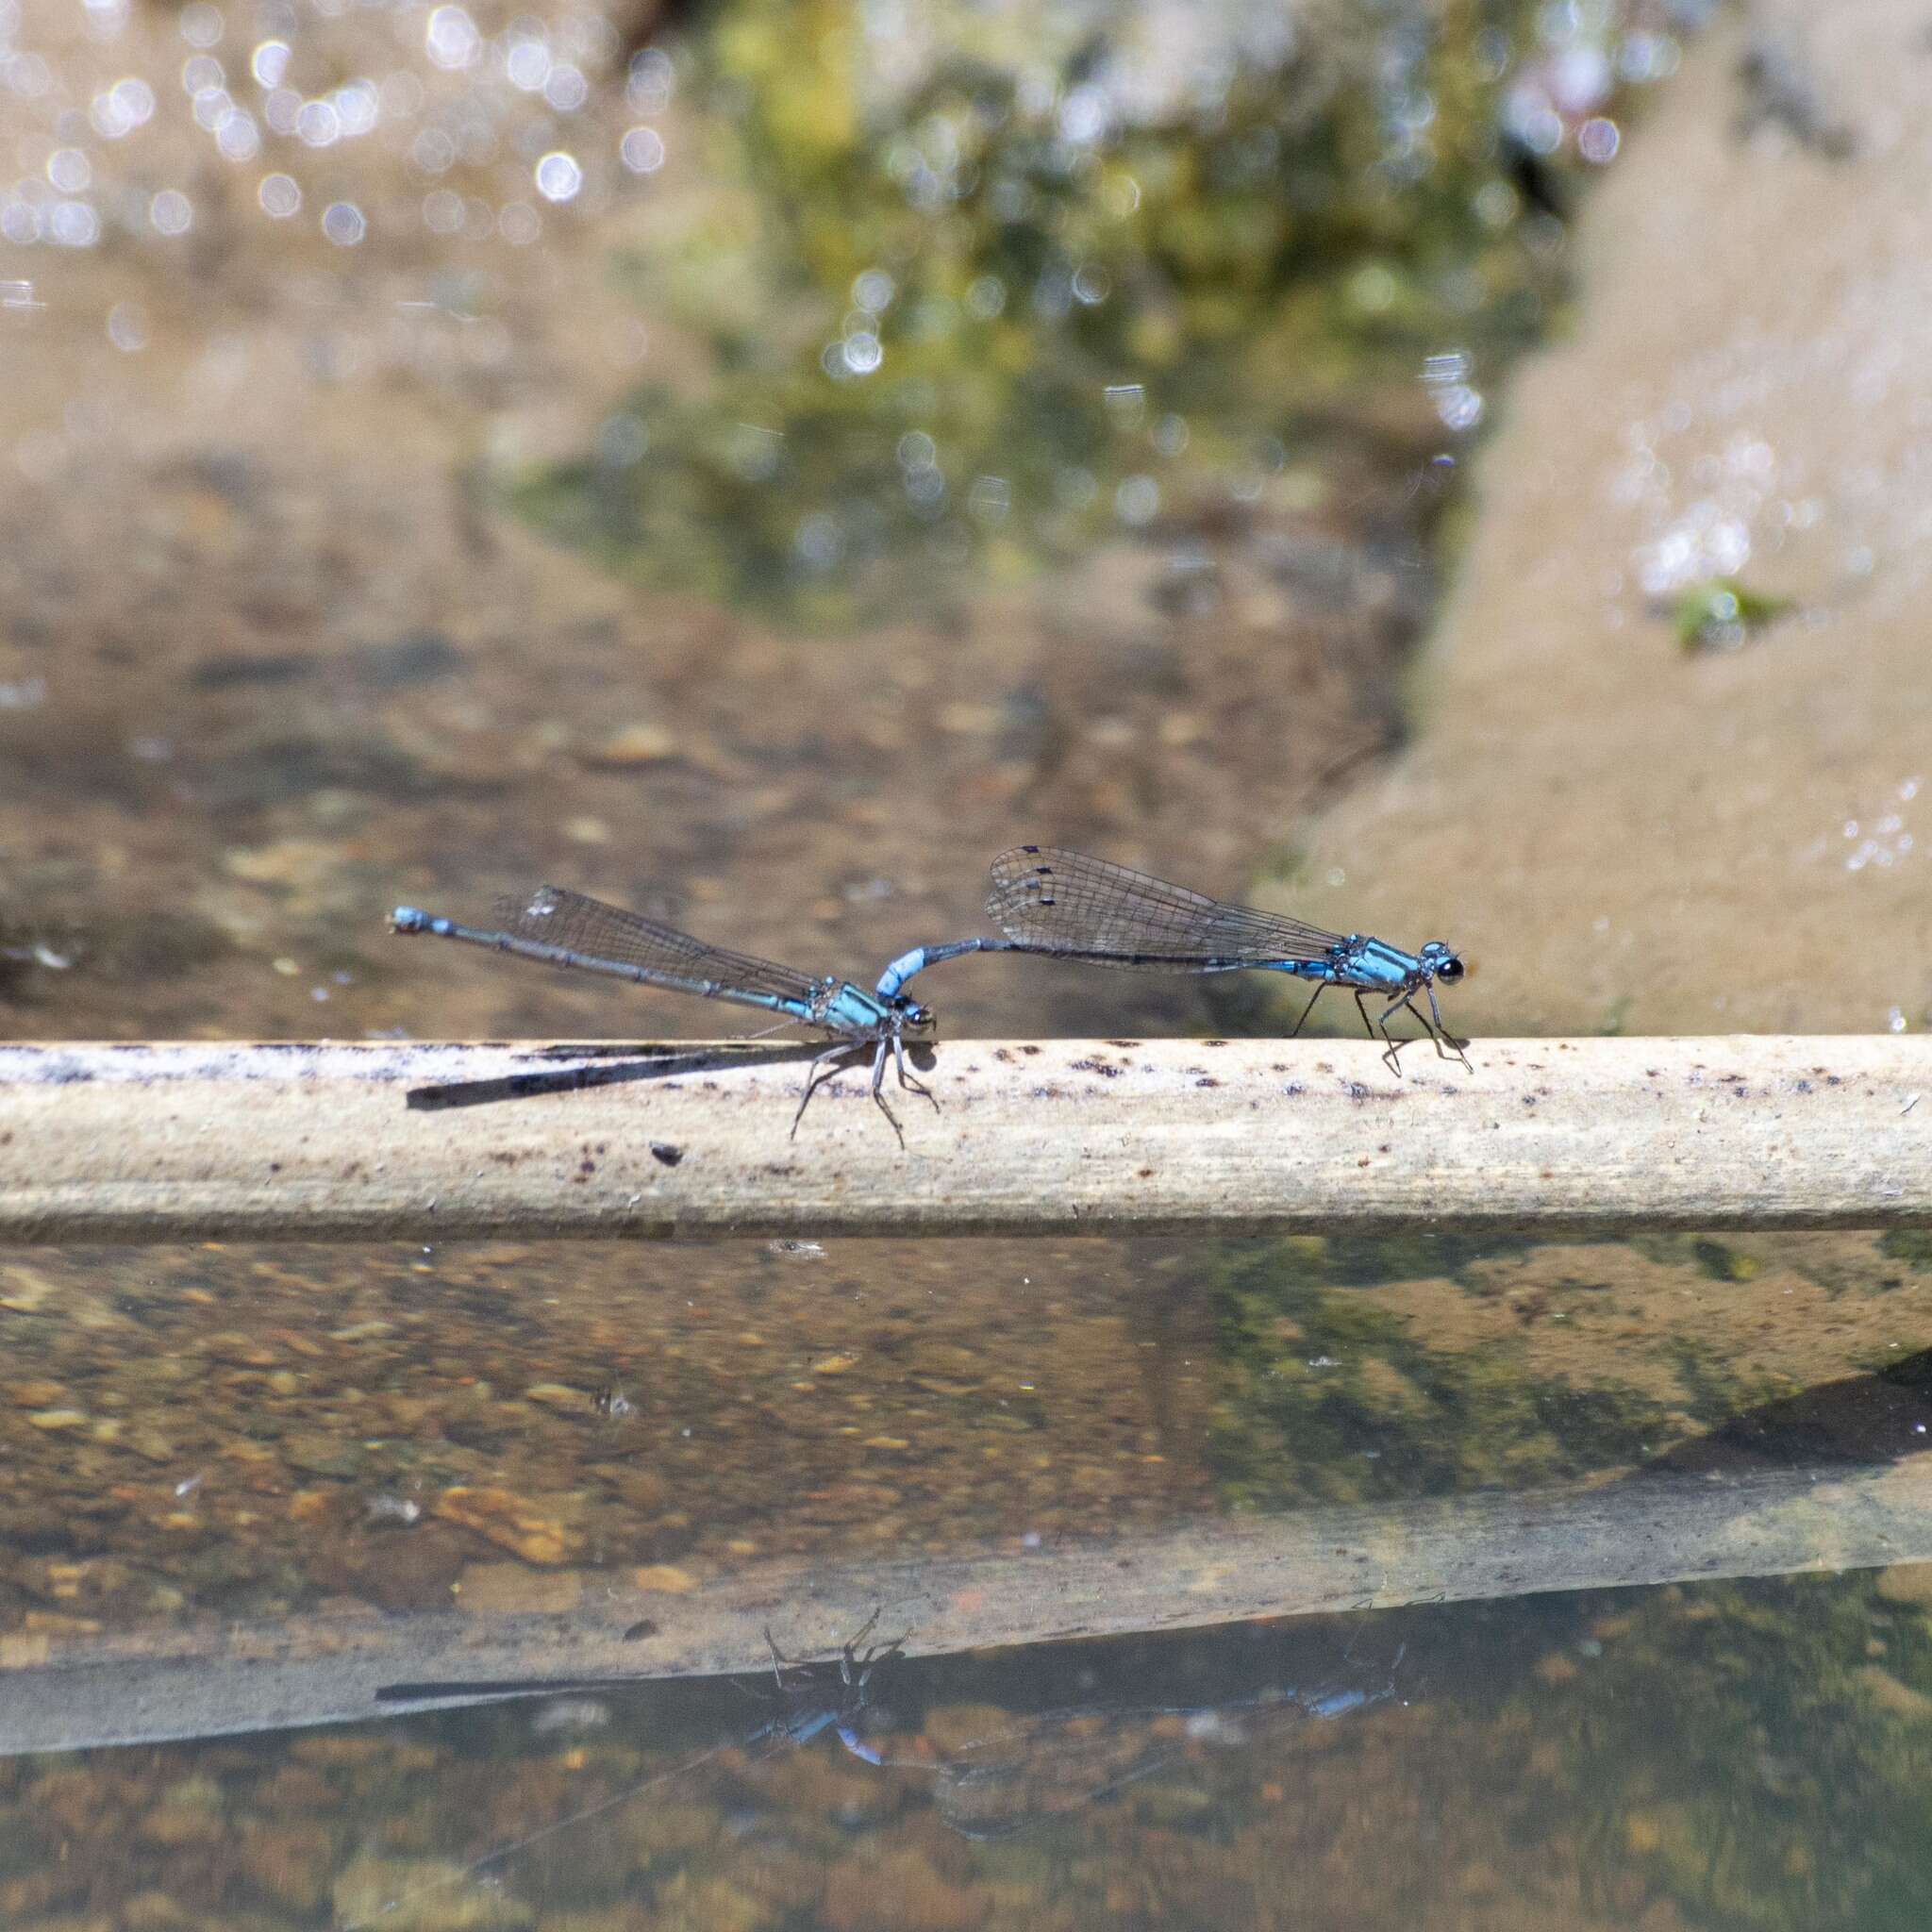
{"x":891,"y":1119}
{"x":822,"y":1072}
{"x":1378,"y":1028}
{"x":878,"y":1081}
{"x":849,"y":1659}
{"x":1442,"y":1033}
{"x":906,"y":1079}
{"x":881,"y":1653}
{"x":857,"y":1665}
{"x":1375,"y":1028}
{"x":780,"y":1662}
{"x":1435,"y":1033}
{"x":1320,"y":987}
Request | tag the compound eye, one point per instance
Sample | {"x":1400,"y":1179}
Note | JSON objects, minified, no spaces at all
{"x":1450,"y":971}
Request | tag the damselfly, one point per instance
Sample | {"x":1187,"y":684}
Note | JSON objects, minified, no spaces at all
{"x":810,"y":1704}
{"x":1046,"y":1764}
{"x":560,"y":927}
{"x":1069,"y":906}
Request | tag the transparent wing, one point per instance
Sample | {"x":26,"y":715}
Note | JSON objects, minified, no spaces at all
{"x":1109,"y":915}
{"x":554,"y":916}
{"x":1059,"y":1760}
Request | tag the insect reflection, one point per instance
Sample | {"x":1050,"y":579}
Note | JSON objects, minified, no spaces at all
{"x":1037,"y":1767}
{"x":811,"y":1699}
{"x":1019,"y":1772}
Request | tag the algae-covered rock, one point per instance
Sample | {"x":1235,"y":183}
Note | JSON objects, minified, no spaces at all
{"x":1020,"y":282}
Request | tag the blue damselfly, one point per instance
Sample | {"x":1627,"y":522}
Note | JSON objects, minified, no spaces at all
{"x":560,"y":927}
{"x":1069,"y":906}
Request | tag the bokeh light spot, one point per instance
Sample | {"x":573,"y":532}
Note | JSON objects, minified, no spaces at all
{"x":558,"y":177}
{"x":344,"y":224}
{"x":642,"y":150}
{"x":171,"y":212}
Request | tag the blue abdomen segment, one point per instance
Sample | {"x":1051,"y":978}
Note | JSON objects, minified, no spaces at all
{"x":858,"y":1747}
{"x":900,"y":971}
{"x":920,"y":957}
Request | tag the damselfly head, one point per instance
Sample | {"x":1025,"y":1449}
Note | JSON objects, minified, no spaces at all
{"x":1438,"y":962}
{"x":917,"y":1019}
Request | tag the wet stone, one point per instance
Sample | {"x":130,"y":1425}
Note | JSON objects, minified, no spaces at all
{"x":289,"y":1862}
{"x":238,"y":1351}
{"x":1906,"y":1583}
{"x":509,"y":1521}
{"x":618,"y":1918}
{"x":322,"y":1455}
{"x":26,"y":1289}
{"x":639,"y":743}
{"x":155,"y":1911}
{"x":558,"y":1395}
{"x":176,"y":1825}
{"x":423,"y":1895}
{"x":513,"y":1590}
{"x":900,"y":1892}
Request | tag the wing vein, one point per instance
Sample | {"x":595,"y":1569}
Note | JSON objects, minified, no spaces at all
{"x":1051,"y":900}
{"x":554,"y":916}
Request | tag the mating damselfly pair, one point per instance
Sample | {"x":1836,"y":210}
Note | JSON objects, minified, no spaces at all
{"x":1048,"y":902}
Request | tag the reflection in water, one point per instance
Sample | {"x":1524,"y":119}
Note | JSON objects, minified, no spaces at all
{"x":206,"y":1437}
{"x":1524,"y":1771}
{"x":986,"y":1773}
{"x":810,"y":1701}
{"x":209,"y":1434}
{"x":1054,"y":1762}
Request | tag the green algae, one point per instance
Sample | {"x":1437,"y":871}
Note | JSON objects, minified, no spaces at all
{"x":1329,"y":1394}
{"x":1781,"y":1779}
{"x":979,"y":325}
{"x":1721,"y":614}
{"x":1329,"y":1397}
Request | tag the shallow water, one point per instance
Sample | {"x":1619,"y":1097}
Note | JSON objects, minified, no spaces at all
{"x":755,"y":474}
{"x":1727,"y":1754}
{"x":321,"y":1485}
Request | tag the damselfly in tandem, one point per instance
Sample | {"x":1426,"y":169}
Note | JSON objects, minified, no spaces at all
{"x":987,"y":1773}
{"x":560,"y":927}
{"x":1069,"y":906}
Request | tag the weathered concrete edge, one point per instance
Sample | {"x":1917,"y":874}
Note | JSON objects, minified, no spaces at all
{"x":66,"y":1692}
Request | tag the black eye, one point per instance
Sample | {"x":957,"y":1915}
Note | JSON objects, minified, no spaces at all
{"x":1450,"y":971}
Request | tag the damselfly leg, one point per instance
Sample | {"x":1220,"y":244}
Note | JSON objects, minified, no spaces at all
{"x":857,"y":1658}
{"x":1294,"y":1032}
{"x":820,"y":1071}
{"x":1378,"y":1028}
{"x":906,"y":1079}
{"x":833,"y":1062}
{"x":830,"y":1064}
{"x":1440,"y":1033}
